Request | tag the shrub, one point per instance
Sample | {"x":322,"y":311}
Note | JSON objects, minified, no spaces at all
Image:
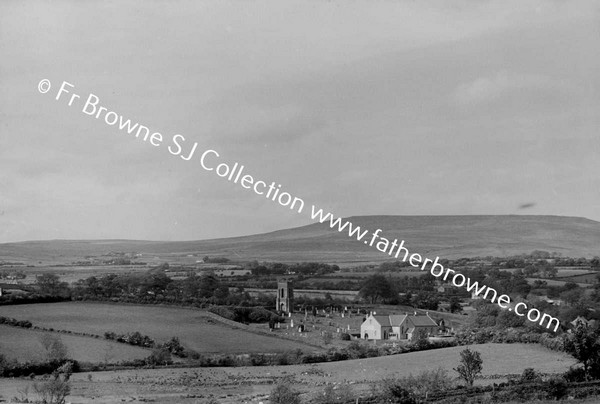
{"x":428,"y":382}
{"x":260,"y":315}
{"x":345,"y":337}
{"x":223,"y":312}
{"x":341,"y":395}
{"x":174,"y":347}
{"x":159,"y":356}
{"x":556,"y":388}
{"x":356,"y":350}
{"x":57,"y":388}
{"x":393,"y":391}
{"x":282,"y":393}
{"x":530,"y":376}
{"x":258,"y":359}
{"x":574,"y":375}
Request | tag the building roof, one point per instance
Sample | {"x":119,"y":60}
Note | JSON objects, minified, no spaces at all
{"x":422,"y":321}
{"x":396,"y":320}
{"x":384,"y":321}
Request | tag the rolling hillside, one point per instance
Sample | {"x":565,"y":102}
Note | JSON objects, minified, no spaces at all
{"x":445,"y":236}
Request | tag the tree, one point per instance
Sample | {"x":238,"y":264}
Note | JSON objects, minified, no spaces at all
{"x":174,"y":347}
{"x":50,"y":284}
{"x":506,"y":319}
{"x":455,"y":306}
{"x":56,"y":390}
{"x":56,"y":350}
{"x":583,"y":345}
{"x":425,"y":300}
{"x":159,"y":356}
{"x":221,"y":292}
{"x":3,"y":364}
{"x":284,"y":394}
{"x":207,"y":285}
{"x":529,"y":270}
{"x":421,"y":340}
{"x":470,"y":366}
{"x":572,"y":296}
{"x":376,"y":287}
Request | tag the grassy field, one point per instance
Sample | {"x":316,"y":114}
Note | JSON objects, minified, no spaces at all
{"x":24,"y":345}
{"x":253,"y":384}
{"x":555,"y":282}
{"x":192,"y":327}
{"x":573,"y":271}
{"x":362,"y":275}
{"x":74,"y":273}
{"x":584,"y":278}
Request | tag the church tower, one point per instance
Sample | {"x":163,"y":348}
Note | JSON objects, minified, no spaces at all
{"x":285,"y":296}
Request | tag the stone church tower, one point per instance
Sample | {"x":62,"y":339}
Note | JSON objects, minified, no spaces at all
{"x":285,"y":296}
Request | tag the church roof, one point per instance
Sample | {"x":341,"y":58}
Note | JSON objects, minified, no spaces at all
{"x":422,"y":321}
{"x":396,"y":320}
{"x":383,"y":320}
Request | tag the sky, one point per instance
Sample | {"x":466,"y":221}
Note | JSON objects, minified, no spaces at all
{"x":452,"y":107}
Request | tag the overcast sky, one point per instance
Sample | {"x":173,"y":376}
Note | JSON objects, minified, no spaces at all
{"x":359,"y":107}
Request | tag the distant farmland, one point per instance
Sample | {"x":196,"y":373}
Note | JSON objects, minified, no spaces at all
{"x":195,"y":330}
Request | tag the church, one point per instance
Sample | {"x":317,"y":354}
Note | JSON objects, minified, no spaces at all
{"x":285,"y":297}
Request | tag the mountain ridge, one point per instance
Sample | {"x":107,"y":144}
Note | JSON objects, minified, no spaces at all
{"x":447,"y":236}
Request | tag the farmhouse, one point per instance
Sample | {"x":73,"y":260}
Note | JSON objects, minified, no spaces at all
{"x":403,"y":326}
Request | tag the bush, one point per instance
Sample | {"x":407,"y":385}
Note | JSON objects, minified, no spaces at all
{"x":159,"y":356}
{"x":530,"y":376}
{"x":57,"y":388}
{"x":174,"y":347}
{"x":428,"y":382}
{"x":223,"y":312}
{"x":341,"y":395}
{"x":260,"y":315}
{"x":393,"y":391}
{"x":345,"y":337}
{"x":556,"y":388}
{"x":574,"y":375}
{"x":284,"y":394}
{"x":356,"y":350}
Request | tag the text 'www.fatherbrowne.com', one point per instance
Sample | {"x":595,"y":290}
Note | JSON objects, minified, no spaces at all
{"x":397,"y":249}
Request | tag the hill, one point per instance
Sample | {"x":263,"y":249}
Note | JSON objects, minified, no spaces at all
{"x":444,"y":236}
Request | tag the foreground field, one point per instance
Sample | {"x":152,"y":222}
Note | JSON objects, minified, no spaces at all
{"x":253,"y":384}
{"x":24,"y":345}
{"x":195,"y":330}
